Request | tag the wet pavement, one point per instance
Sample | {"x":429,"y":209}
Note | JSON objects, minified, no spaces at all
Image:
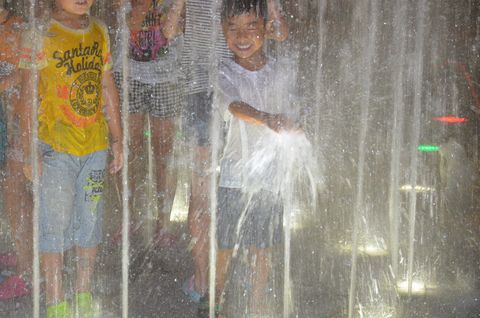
{"x":156,"y":278}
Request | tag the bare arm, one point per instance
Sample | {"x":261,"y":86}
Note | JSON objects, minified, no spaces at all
{"x":174,"y":22}
{"x":114,"y":122}
{"x":24,"y":109}
{"x":251,"y":115}
{"x":9,"y":81}
{"x":277,"y":28}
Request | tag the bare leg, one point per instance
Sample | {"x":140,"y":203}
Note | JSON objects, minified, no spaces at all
{"x":163,"y":137}
{"x":199,"y":217}
{"x":261,"y":270}
{"x":18,"y":204}
{"x":52,"y":265}
{"x":136,"y":151}
{"x":223,"y":261}
{"x":85,"y":268}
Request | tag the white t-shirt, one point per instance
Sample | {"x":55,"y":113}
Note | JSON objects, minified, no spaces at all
{"x":270,"y":89}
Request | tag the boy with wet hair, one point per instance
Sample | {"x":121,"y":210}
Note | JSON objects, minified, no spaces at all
{"x":72,"y":55}
{"x":254,"y":101}
{"x":199,"y":46}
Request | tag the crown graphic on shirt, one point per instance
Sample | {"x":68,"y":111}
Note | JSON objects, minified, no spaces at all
{"x":90,"y":88}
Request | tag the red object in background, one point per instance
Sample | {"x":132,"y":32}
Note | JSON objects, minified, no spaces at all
{"x":462,"y":68}
{"x":450,"y":119}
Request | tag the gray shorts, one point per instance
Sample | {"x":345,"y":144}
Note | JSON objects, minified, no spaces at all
{"x":71,"y":200}
{"x":197,"y":116}
{"x":161,"y":100}
{"x":255,"y":221}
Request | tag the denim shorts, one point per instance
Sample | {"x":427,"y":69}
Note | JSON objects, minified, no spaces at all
{"x":71,"y":200}
{"x":198,"y":115}
{"x":248,"y":221}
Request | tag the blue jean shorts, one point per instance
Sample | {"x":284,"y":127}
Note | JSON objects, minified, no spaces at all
{"x":248,"y":220}
{"x":71,"y":200}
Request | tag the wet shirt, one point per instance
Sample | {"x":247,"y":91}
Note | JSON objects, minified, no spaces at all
{"x":152,"y":58}
{"x":270,"y":89}
{"x":71,"y":64}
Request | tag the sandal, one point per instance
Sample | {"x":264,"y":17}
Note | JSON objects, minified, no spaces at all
{"x":188,"y":289}
{"x":203,"y":310}
{"x":60,"y":310}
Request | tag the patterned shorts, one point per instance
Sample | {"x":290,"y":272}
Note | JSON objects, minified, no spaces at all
{"x":161,"y":100}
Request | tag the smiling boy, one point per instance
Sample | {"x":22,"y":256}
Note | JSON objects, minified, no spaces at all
{"x":254,"y":100}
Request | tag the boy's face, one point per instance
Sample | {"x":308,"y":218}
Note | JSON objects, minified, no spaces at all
{"x":245,"y":34}
{"x":77,"y":7}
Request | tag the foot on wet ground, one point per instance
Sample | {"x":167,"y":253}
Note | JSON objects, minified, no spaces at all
{"x":60,"y":310}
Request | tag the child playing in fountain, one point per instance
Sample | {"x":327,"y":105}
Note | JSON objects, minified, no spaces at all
{"x":254,"y":102}
{"x":71,"y":54}
{"x":154,"y":94}
{"x":197,"y":54}
{"x":14,"y":185}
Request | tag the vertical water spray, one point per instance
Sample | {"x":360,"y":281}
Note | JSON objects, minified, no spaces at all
{"x":320,"y":88}
{"x":287,"y":218}
{"x":215,"y":139}
{"x":398,"y":77}
{"x":125,"y":192}
{"x":35,"y":165}
{"x":151,"y":196}
{"x":215,"y":136}
{"x":368,"y":11}
{"x":417,"y":107}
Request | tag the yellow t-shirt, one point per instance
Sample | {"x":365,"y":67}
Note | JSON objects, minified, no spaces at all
{"x":71,"y":64}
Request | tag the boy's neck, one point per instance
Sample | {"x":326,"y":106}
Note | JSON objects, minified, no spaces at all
{"x":70,"y":20}
{"x":253,"y":63}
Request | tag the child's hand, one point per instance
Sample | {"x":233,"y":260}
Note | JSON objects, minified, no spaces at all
{"x":281,"y":122}
{"x":28,"y":172}
{"x":117,"y":162}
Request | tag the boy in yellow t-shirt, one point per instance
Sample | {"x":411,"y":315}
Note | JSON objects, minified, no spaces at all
{"x":72,"y":57}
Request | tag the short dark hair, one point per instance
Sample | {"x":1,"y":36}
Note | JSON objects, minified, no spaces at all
{"x":233,"y":8}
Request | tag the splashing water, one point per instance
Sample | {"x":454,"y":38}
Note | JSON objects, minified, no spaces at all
{"x":285,"y":164}
{"x":282,"y":159}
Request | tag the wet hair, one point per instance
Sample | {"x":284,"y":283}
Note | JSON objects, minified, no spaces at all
{"x":233,"y":8}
